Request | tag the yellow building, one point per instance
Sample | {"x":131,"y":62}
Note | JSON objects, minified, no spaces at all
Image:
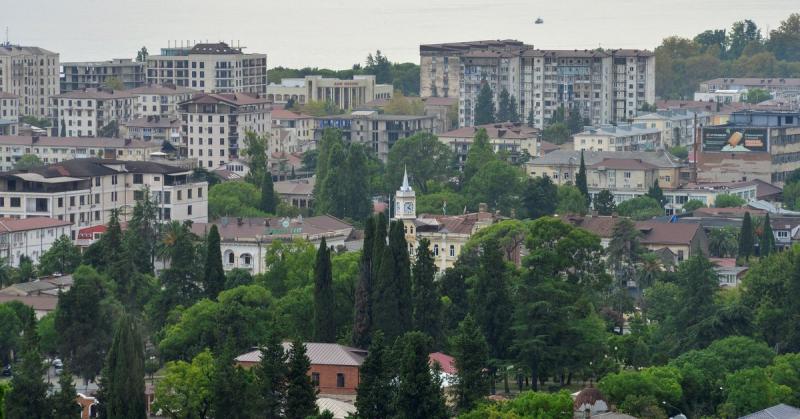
{"x":447,"y":233}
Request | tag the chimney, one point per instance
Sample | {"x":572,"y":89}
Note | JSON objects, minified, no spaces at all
{"x":34,"y":139}
{"x":239,"y":221}
{"x":483,"y":207}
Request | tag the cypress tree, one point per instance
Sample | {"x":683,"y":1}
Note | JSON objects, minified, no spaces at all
{"x":531,"y":119}
{"x":503,"y":107}
{"x":580,"y":180}
{"x":270,"y":378}
{"x":471,"y":355}
{"x":767,"y":243}
{"x":419,"y":392}
{"x":324,"y":326}
{"x":63,"y":402}
{"x":375,"y":390}
{"x":746,"y":237}
{"x":122,"y":384}
{"x":362,"y":318}
{"x":513,"y":113}
{"x":385,"y":301}
{"x":301,"y":395}
{"x":28,"y":395}
{"x":358,"y":202}
{"x":427,"y":304}
{"x":269,"y":200}
{"x":233,"y":393}
{"x":379,"y":243}
{"x":402,"y":275}
{"x":656,"y":193}
{"x":214,"y":277}
{"x":491,"y":299}
{"x":484,"y":105}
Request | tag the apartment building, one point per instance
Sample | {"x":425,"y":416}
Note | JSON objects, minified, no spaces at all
{"x":678,"y":126}
{"x":155,"y":129}
{"x":621,"y":137}
{"x":603,"y":85}
{"x":30,"y":73}
{"x":84,"y":191}
{"x":96,"y":74}
{"x":377,"y":131}
{"x":85,"y":113}
{"x":517,"y":140}
{"x":209,"y":67}
{"x":292,"y":132}
{"x":721,"y":96}
{"x":58,"y":149}
{"x":214,"y":125}
{"x":30,"y":237}
{"x":775,"y":85}
{"x":9,"y":113}
{"x":158,"y":100}
{"x":345,"y":94}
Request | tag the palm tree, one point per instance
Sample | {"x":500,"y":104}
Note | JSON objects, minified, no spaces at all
{"x":172,"y":233}
{"x":5,"y":273}
{"x":723,"y":242}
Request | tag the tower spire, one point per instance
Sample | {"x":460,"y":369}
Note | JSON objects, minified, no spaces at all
{"x":405,"y":187}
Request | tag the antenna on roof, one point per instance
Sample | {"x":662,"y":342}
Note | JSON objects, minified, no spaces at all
{"x":7,"y":41}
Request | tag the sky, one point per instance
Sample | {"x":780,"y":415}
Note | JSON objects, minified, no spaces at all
{"x":338,"y":33}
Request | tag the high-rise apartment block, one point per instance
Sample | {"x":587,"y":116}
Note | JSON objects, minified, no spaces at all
{"x":98,"y":74}
{"x":605,"y":86}
{"x":212,"y":68}
{"x":85,"y":113}
{"x":30,"y":73}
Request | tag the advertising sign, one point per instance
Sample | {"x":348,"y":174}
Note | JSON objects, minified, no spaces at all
{"x":735,"y":139}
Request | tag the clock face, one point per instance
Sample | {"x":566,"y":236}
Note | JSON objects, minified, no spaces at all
{"x":409,"y":207}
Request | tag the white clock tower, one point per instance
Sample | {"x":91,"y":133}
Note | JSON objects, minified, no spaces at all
{"x":405,"y":201}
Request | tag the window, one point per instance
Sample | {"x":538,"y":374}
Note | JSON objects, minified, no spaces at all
{"x":189,"y":210}
{"x":60,"y":202}
{"x":231,"y":258}
{"x":315,"y":379}
{"x":97,"y":181}
{"x":113,"y":197}
{"x":199,"y":192}
{"x":180,"y":195}
{"x":680,"y":255}
{"x":114,"y":180}
{"x":452,"y":250}
{"x":627,"y":175}
{"x":138,"y":178}
{"x":15,"y":203}
{"x":188,"y":194}
{"x":97,"y":198}
{"x":782,"y":234}
{"x":436,"y":250}
{"x":339,"y":379}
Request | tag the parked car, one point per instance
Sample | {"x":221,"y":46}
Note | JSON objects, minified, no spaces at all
{"x":7,"y":371}
{"x":57,"y":364}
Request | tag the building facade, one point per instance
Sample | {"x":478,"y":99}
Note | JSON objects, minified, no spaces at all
{"x":211,"y":68}
{"x":518,"y":140}
{"x":91,"y":112}
{"x":377,"y":131}
{"x":155,"y":129}
{"x":774,"y":85}
{"x":30,"y":237}
{"x":155,"y":100}
{"x":620,"y":137}
{"x":215,"y":125}
{"x":678,"y":126}
{"x":97,"y":74}
{"x":85,"y":191}
{"x":30,"y":73}
{"x":58,"y":149}
{"x":292,"y":132}
{"x":9,"y":114}
{"x":344,"y":94}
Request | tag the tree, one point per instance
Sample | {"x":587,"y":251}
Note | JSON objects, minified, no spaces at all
{"x":425,"y":158}
{"x":28,"y":162}
{"x":750,"y":390}
{"x":557,"y":133}
{"x":728,"y":201}
{"x":496,"y":183}
{"x":232,"y":389}
{"x":503,"y":107}
{"x":110,"y":130}
{"x":391,"y":300}
{"x":767,"y":241}
{"x":427,"y":305}
{"x":379,"y":66}
{"x":537,"y":197}
{"x":692,"y":205}
{"x":300,"y":392}
{"x":757,"y":95}
{"x":746,"y":237}
{"x":640,"y":208}
{"x":342,"y":187}
{"x":528,"y":404}
{"x":575,"y":121}
{"x":28,"y":395}
{"x":741,"y":34}
{"x":362,"y":318}
{"x":698,"y":283}
{"x":484,"y":105}
{"x":269,"y":199}
{"x":256,"y":152}
{"x":723,"y":242}
{"x":580,"y":181}
{"x":479,"y":154}
{"x":234,"y":199}
{"x":270,"y":377}
{"x":324,"y":326}
{"x":375,"y":388}
{"x":604,"y":202}
{"x":570,"y":200}
{"x":419,"y":392}
{"x":471,"y":355}
{"x":141,"y":55}
{"x":656,"y":193}
{"x":490,"y":299}
{"x":531,"y":121}
{"x":63,"y":402}
{"x":784,"y":41}
{"x":400,"y":104}
{"x":114,"y":83}
{"x":122,"y":384}
{"x":11,"y":327}
{"x":184,"y":390}
{"x":214,"y":277}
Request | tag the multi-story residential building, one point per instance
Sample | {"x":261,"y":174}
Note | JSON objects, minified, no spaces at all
{"x":212,"y":68}
{"x":754,"y":144}
{"x":155,"y":100}
{"x":377,"y":131}
{"x":775,"y":85}
{"x":344,"y":94}
{"x":9,"y":113}
{"x":621,"y":137}
{"x":292,"y":132}
{"x":721,"y":96}
{"x":86,"y":113}
{"x":604,"y":86}
{"x":97,"y":74}
{"x":518,"y":140}
{"x":214,"y":125}
{"x":30,"y":73}
{"x":678,"y":126}
{"x":156,"y":129}
{"x":84,"y":191}
{"x":30,"y":237}
{"x":58,"y":149}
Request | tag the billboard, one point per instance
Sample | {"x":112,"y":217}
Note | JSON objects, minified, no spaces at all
{"x":735,"y":139}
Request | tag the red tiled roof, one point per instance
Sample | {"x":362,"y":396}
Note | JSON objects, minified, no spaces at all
{"x":31,"y":223}
{"x":655,"y":232}
{"x":37,"y":302}
{"x":286,"y":114}
{"x":318,"y":354}
{"x":447,"y":362}
{"x":622,"y":164}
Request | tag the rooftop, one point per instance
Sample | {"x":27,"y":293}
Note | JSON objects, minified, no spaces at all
{"x":159,"y":89}
{"x":44,"y":302}
{"x":153,"y":122}
{"x":504,"y":130}
{"x":58,"y":142}
{"x":565,"y":157}
{"x":318,"y":353}
{"x":71,"y":170}
{"x":9,"y":50}
{"x":654,"y":232}
{"x":231,"y":98}
{"x":618,"y":131}
{"x":779,"y":411}
{"x":267,"y":229}
{"x":11,"y":225}
{"x":99,"y":94}
{"x":755,"y":81}
{"x":214,"y":49}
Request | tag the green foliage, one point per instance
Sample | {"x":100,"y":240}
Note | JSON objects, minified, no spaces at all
{"x":656,"y":193}
{"x":184,"y":390}
{"x":626,"y":389}
{"x":141,"y":55}
{"x":375,"y":391}
{"x":234,"y":199}
{"x":214,"y":276}
{"x":751,"y":390}
{"x":362,"y":318}
{"x":427,"y":305}
{"x":28,"y":394}
{"x":480,"y":153}
{"x":723,"y":242}
{"x":484,"y":105}
{"x":419,"y":389}
{"x":114,"y":83}
{"x":490,"y":299}
{"x":342,"y":187}
{"x":232,"y":393}
{"x":300,"y":392}
{"x":556,"y":133}
{"x":48,"y":337}
{"x":270,"y":377}
{"x":746,"y":237}
{"x":496,"y":183}
{"x":537,"y":197}
{"x":324,"y":321}
{"x":62,"y":402}
{"x":757,"y":95}
{"x":604,"y":202}
{"x":28,"y":162}
{"x":766,"y":243}
{"x":640,"y":208}
{"x":269,"y":198}
{"x":11,"y":327}
{"x":425,"y":158}
{"x":439,"y":202}
{"x":471,"y":354}
{"x":399,"y":104}
{"x":121,"y":391}
{"x":391,"y":298}
{"x":680,"y":152}
{"x":580,"y":180}
{"x":570,"y":200}
{"x":506,"y":108}
{"x":36,"y":122}
{"x":692,"y":205}
{"x":728,"y":201}
{"x":255,"y":149}
{"x":529,"y":404}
